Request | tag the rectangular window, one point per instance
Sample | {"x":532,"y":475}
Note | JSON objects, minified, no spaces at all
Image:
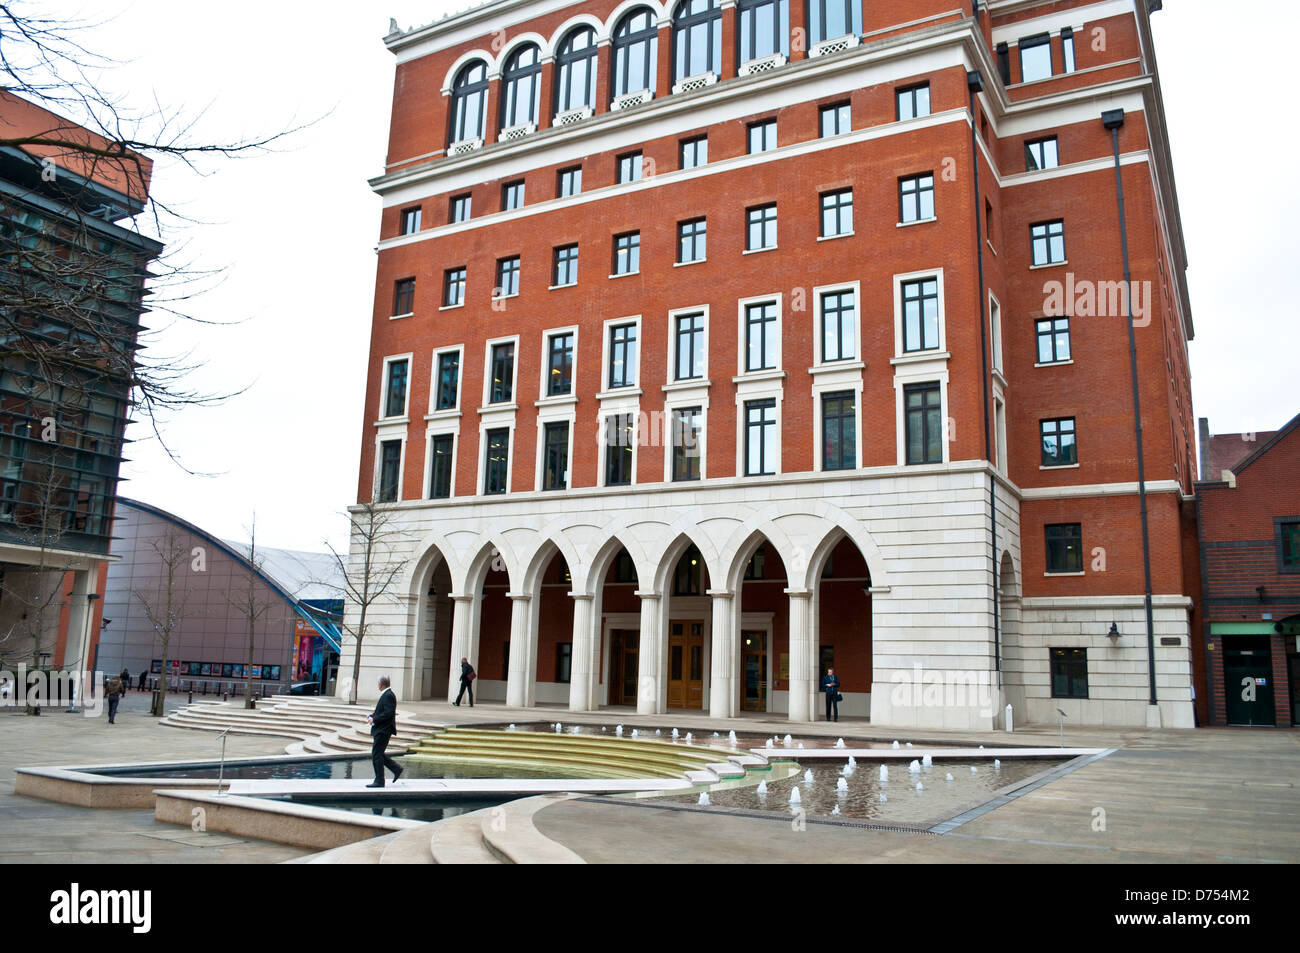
{"x":496,"y":460}
{"x":622,"y":356}
{"x":1290,"y":540}
{"x":448,"y":379}
{"x":920,"y":315}
{"x":460,"y":208}
{"x":512,"y":196}
{"x":629,"y":167}
{"x":440,"y":475}
{"x":762,"y":136}
{"x":1041,"y":154}
{"x":913,"y":102}
{"x":834,"y":120}
{"x":686,"y":443}
{"x":923,"y":412}
{"x":839,"y":432}
{"x":395,"y":394}
{"x":695,"y":152}
{"x":563,"y":662}
{"x":689,"y":335}
{"x":760,"y":437}
{"x":559,"y":362}
{"x":760,"y":227}
{"x":916,"y":198}
{"x":627,"y":253}
{"x":404,"y":297}
{"x":507,"y":277}
{"x":1035,"y":58}
{"x":839,"y":324}
{"x":1064,"y":547}
{"x":570,"y":182}
{"x":1067,"y":49}
{"x":760,"y":336}
{"x":453,"y":287}
{"x":390,"y":470}
{"x":1053,"y":340}
{"x":837,"y":213}
{"x":501,"y":388}
{"x":410,"y":220}
{"x":1069,"y":673}
{"x":691,"y":240}
{"x":566,"y":265}
{"x":1048,"y":242}
{"x":555,"y":456}
{"x":1058,"y":442}
{"x":619,"y":441}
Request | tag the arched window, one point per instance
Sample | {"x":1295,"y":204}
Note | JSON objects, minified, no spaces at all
{"x":764,"y":28}
{"x":575,"y":82}
{"x":828,"y":19}
{"x":468,"y":99}
{"x":636,"y":41}
{"x":521,"y":86}
{"x":697,"y":38}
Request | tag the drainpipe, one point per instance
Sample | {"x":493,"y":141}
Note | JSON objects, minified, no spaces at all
{"x":1112,"y":119}
{"x":975,"y":84}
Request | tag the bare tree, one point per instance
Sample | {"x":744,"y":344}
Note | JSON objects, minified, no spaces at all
{"x":166,"y":608}
{"x":252,"y":608}
{"x":372,"y":572}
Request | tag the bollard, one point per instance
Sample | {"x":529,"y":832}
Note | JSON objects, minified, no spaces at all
{"x":225,"y":696}
{"x":1007,"y":713}
{"x":191,"y":693}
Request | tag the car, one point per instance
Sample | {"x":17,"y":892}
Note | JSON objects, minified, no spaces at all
{"x":304,"y":688}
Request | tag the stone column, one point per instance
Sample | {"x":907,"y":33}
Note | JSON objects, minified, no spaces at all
{"x":583,"y":665}
{"x":722,"y":682}
{"x":462,"y":618}
{"x":519,"y":683}
{"x":78,"y":634}
{"x":649,"y":656}
{"x":802,"y":651}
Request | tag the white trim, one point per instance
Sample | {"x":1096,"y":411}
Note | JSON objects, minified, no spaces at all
{"x":928,"y":372}
{"x":460,"y":379}
{"x":898,"y":281}
{"x":543,"y":395}
{"x":606,"y":391}
{"x":554,"y":414}
{"x":382,"y":438}
{"x":995,"y":333}
{"x":488,"y":345}
{"x":819,"y":359}
{"x":485,"y":424}
{"x":452,"y":429}
{"x":823,"y":384}
{"x":680,"y":400}
{"x":409,"y":358}
{"x":1081,"y":490}
{"x":670,"y":374}
{"x":744,"y":376}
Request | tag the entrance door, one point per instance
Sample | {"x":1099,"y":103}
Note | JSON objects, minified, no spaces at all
{"x":686,"y":665}
{"x":623,"y":647}
{"x":754,"y":665}
{"x":1248,"y":673}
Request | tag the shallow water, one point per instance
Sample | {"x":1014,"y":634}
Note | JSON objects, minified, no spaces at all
{"x":342,"y":769}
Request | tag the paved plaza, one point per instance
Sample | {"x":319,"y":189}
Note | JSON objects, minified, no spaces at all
{"x":1197,"y":796}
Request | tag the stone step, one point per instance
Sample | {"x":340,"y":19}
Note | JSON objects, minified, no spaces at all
{"x":509,"y":833}
{"x":362,"y":852}
{"x":408,"y":847}
{"x":459,"y":840}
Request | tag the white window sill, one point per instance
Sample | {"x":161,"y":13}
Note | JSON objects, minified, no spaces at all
{"x":831,"y":238}
{"x":916,"y":357}
{"x":768,"y":375}
{"x":688,"y":383}
{"x":919,"y":221}
{"x":499,"y":408}
{"x":571,"y":284}
{"x":846,"y":365}
{"x":618,"y":392}
{"x":393,"y":421}
{"x":694,"y":261}
{"x":504,"y":297}
{"x":448,"y":414}
{"x":394,"y":317}
{"x":1055,"y":363}
{"x":1063,"y":574}
{"x":556,"y":400}
{"x":756,"y":251}
{"x":626,"y":274}
{"x":1060,"y":466}
{"x":1050,"y":264}
{"x":452,"y":307}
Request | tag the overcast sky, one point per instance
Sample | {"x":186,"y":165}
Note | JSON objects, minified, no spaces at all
{"x":295,"y":232}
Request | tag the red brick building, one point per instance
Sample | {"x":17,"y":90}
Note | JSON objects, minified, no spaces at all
{"x":849,"y":274}
{"x":1249,"y":529}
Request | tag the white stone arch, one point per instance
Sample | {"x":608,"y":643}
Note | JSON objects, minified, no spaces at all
{"x":549,"y":543}
{"x":582,"y":19}
{"x":476,"y":568}
{"x":424,"y":629}
{"x":745,"y":542}
{"x":462,"y":61}
{"x":835,"y":524}
{"x":545,"y":52}
{"x":680,"y":536}
{"x":627,"y":6}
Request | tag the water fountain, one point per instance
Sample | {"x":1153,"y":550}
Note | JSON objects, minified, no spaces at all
{"x":674,"y":734}
{"x":794,"y":795}
{"x":731,"y":738}
{"x":839,"y":742}
{"x":835,"y":810}
{"x":761,"y":790}
{"x":948,"y":776}
{"x":997,"y":765}
{"x":689,"y":737}
{"x":853,"y":762}
{"x":914,"y":767}
{"x":657,"y":732}
{"x":920,"y":786}
{"x":909,"y":744}
{"x":927,"y":761}
{"x":883,"y":797}
{"x":842,"y":786}
{"x":974,"y":770}
{"x":619,"y":731}
{"x":894,"y":745}
{"x":633,"y":732}
{"x":808,"y":776}
{"x":768,"y":744}
{"x":884,"y":774}
{"x":788,"y":741}
{"x":510,"y":727}
{"x":801,"y":744}
{"x":704,"y":799}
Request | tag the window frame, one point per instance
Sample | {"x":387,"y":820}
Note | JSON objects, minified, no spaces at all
{"x":549,"y":447}
{"x":699,"y":149}
{"x":680,"y":453}
{"x":626,"y":461}
{"x":816,"y":17}
{"x":762,"y":403}
{"x":386,"y":396}
{"x":504,"y":270}
{"x":848,"y":426}
{"x":924,"y":386}
{"x":1035,"y":42}
{"x":409,"y":223}
{"x":437,"y":389}
{"x":466,"y":90}
{"x":611,"y":345}
{"x":381,"y":464}
{"x":514,"y":76}
{"x":837,"y":210}
{"x":1054,"y":333}
{"x":841,"y":118}
{"x":568,"y":182}
{"x":434,"y":468}
{"x":403,"y":291}
{"x":915,"y":196}
{"x":491,"y":346}
{"x":1032,"y":163}
{"x":558,"y":259}
{"x":698,"y":239}
{"x":684,"y":38}
{"x":448,"y":285}
{"x":772,"y":326}
{"x":699,"y":345}
{"x":548,"y":361}
{"x":747,"y":16}
{"x":487,"y":477}
{"x":911,"y":93}
{"x":623,"y":41}
{"x":512,"y":195}
{"x":1062,"y":540}
{"x":633,"y":250}
{"x":763,"y":222}
{"x":629,"y":167}
{"x":1062,"y":665}
{"x":1053,"y":428}
{"x":566,"y":60}
{"x":458,"y":204}
{"x":821,"y":293}
{"x":1280,"y":524}
{"x":763,"y":127}
{"x":901,"y":283}
{"x":1047,"y":239}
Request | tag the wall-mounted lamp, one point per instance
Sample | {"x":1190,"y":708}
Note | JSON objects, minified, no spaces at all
{"x":1113,"y":634}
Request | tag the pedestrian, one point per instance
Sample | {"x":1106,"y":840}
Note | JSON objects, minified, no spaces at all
{"x":383,"y":725}
{"x":831,"y":686}
{"x":144,"y":678}
{"x":467,"y":676}
{"x":113,"y":689}
{"x":126,"y":681}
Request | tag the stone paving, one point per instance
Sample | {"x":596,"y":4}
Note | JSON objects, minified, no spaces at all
{"x":1207,"y":796}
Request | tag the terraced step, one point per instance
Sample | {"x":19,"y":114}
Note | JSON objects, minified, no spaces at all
{"x":459,"y":840}
{"x":451,"y":746}
{"x":408,"y":847}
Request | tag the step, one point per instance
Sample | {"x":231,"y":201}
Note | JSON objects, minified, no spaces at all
{"x":408,"y":847}
{"x":509,"y":833}
{"x":597,"y":753}
{"x":362,"y":852}
{"x":459,"y":840}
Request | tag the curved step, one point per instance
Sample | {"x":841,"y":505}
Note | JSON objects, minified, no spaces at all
{"x":362,"y":852}
{"x":459,"y":840}
{"x":509,"y":833}
{"x":408,"y":847}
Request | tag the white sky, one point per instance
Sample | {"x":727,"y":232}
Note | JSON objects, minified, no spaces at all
{"x":295,"y":233}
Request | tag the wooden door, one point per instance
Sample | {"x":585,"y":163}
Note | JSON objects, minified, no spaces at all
{"x":685,"y":664}
{"x":623,"y":647}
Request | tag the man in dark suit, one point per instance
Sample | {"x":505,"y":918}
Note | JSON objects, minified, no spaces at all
{"x":383,"y":725}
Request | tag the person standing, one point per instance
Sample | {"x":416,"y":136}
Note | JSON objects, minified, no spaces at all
{"x":113,"y":689}
{"x":383,"y":725}
{"x":144,"y":680}
{"x":831,"y":686}
{"x":126,"y":681}
{"x":467,"y":676}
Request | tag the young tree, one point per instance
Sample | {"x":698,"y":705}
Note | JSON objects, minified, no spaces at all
{"x":166,"y":608}
{"x":372,"y":572}
{"x":251,"y":607}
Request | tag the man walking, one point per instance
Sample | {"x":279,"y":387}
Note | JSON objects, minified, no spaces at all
{"x":467,"y":676}
{"x":383,"y":725}
{"x":113,"y":689}
{"x":831,"y":686}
